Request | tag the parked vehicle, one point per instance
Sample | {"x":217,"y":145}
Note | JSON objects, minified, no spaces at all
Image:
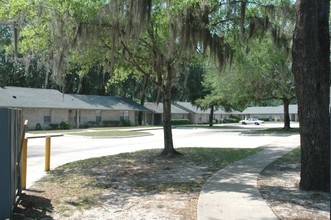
{"x":255,"y":121}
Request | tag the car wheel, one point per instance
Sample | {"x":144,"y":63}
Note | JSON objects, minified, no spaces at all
{"x":256,"y":123}
{"x":244,"y":123}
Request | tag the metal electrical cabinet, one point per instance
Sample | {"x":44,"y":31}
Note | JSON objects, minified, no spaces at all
{"x":11,"y":134}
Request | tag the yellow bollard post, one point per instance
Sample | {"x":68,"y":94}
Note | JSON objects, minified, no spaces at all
{"x":48,"y":153}
{"x":24,"y":162}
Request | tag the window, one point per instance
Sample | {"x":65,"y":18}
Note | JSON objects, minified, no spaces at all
{"x":98,"y":116}
{"x":125,"y":115}
{"x":47,"y":116}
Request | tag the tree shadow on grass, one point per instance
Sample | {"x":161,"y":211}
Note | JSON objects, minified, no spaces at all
{"x":30,"y":205}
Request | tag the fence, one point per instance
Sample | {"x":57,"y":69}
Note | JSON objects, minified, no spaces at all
{"x":12,"y":133}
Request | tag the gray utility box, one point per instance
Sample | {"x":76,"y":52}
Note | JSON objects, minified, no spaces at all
{"x":11,"y":132}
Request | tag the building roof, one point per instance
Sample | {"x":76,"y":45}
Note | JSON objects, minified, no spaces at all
{"x":7,"y":100}
{"x":33,"y":98}
{"x":293,"y":109}
{"x":104,"y":103}
{"x":158,"y":108}
{"x":20,"y":97}
{"x":191,"y":108}
{"x":188,"y":106}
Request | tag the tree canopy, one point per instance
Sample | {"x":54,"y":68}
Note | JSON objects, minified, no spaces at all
{"x":152,"y":37}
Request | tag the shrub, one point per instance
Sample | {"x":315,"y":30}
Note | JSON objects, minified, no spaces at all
{"x":85,"y":125}
{"x":92,"y":124}
{"x":231,"y":120}
{"x":183,"y":121}
{"x":236,"y":119}
{"x":110,"y":123}
{"x":125,"y":122}
{"x":265,"y":119}
{"x":65,"y":125}
{"x":38,"y":127}
{"x":54,"y":126}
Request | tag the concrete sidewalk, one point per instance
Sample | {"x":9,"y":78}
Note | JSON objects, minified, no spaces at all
{"x":232,"y":192}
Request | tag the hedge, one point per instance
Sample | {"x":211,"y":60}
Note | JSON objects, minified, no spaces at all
{"x":183,"y":121}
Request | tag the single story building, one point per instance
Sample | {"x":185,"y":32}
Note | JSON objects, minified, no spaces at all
{"x":155,"y":116}
{"x":43,"y":107}
{"x":274,"y":113}
{"x":199,"y":116}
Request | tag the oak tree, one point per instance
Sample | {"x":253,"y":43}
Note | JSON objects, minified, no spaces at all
{"x":311,"y":69}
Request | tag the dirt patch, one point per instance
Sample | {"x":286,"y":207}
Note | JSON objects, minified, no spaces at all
{"x":139,"y":185}
{"x":144,"y":186}
{"x":279,"y":186}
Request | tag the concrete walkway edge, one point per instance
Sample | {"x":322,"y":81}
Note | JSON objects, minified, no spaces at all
{"x":232,"y":192}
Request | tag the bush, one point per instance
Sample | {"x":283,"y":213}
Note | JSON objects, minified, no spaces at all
{"x":38,"y":127}
{"x":231,"y":120}
{"x":91,"y":124}
{"x":183,"y":121}
{"x":110,"y":123}
{"x":265,"y":119}
{"x":125,"y":122}
{"x":65,"y":125}
{"x":85,"y":125}
{"x":54,"y":126}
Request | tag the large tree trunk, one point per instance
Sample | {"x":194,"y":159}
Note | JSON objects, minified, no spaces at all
{"x":211,"y":116}
{"x":287,"y":121}
{"x":311,"y":69}
{"x":168,"y":150}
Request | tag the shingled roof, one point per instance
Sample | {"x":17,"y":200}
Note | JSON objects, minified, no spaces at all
{"x":33,"y":98}
{"x":105,"y":102}
{"x":21,"y":97}
{"x":188,"y":106}
{"x":293,"y":109}
{"x":158,"y":108}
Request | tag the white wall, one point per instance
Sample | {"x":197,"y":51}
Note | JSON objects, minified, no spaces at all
{"x":35,"y":116}
{"x":59,"y":115}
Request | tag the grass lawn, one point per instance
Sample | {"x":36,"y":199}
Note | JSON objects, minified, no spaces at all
{"x":292,"y":157}
{"x":97,"y":132}
{"x":272,"y":131}
{"x":54,"y":131}
{"x":111,"y":133}
{"x":123,"y":128}
{"x":227,"y":126}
